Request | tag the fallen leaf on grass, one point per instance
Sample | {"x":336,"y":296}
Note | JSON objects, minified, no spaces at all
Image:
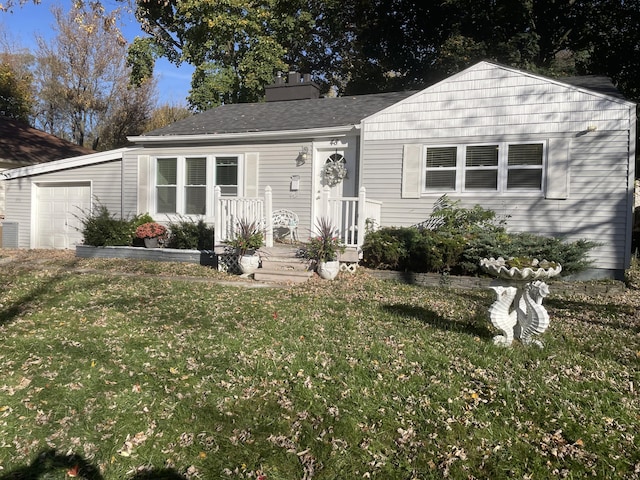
{"x":73,"y":471}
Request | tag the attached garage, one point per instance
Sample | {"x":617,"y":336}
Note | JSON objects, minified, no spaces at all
{"x":59,"y":208}
{"x":45,"y":204}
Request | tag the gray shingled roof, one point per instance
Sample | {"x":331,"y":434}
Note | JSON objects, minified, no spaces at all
{"x":287,"y":115}
{"x":315,"y":113}
{"x":595,"y":83}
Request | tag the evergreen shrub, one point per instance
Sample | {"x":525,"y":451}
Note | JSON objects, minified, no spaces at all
{"x":189,"y":234}
{"x":454,"y":240}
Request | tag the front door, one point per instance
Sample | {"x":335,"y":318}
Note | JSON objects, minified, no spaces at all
{"x":334,"y":167}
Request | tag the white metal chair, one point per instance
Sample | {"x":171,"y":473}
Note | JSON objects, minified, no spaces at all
{"x":285,"y":223}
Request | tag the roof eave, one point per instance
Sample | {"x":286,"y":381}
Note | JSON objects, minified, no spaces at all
{"x":246,"y":136}
{"x":64,"y":164}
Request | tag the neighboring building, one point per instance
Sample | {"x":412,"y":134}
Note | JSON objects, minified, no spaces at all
{"x":22,"y":145}
{"x":552,"y":157}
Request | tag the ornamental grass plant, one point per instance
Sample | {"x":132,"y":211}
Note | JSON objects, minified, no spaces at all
{"x":248,"y":237}
{"x":118,"y":377}
{"x":326,"y":245}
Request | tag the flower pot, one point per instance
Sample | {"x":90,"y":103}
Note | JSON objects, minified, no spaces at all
{"x":329,"y":270}
{"x":248,"y":263}
{"x":152,"y":242}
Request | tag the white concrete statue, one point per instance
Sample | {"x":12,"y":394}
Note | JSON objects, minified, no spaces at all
{"x":517,"y":311}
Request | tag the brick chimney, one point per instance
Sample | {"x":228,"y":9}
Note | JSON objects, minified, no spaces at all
{"x":295,"y":87}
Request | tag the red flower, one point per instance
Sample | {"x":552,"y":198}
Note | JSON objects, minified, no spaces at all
{"x":151,"y":230}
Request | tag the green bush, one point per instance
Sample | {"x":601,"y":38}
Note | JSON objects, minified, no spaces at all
{"x":191,"y":235}
{"x":455,"y":239}
{"x":100,"y":228}
{"x":571,"y":255}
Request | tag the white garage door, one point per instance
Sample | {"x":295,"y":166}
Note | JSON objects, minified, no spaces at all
{"x":59,"y":208}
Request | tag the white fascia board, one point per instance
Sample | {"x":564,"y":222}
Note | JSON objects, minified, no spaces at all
{"x":246,"y":136}
{"x":65,"y":163}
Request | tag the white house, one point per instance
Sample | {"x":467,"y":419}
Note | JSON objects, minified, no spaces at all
{"x":554,"y":157}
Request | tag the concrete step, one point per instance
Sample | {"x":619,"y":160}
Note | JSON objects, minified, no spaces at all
{"x":282,"y":276}
{"x":284,"y":264}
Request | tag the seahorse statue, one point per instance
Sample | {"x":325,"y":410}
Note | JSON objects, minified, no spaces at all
{"x":501,"y":315}
{"x":537,"y":318}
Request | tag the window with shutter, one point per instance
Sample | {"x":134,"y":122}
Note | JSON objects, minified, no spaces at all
{"x":499,"y":167}
{"x":183,"y":184}
{"x":524,"y":166}
{"x":441,"y":169}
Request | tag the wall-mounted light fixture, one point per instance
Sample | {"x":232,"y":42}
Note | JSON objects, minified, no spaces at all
{"x":303,"y":155}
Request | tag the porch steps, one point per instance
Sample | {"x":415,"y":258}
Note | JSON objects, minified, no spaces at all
{"x":281,"y":263}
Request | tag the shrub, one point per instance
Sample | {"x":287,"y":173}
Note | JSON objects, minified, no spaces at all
{"x":100,"y":228}
{"x":455,"y":239}
{"x":571,"y":255}
{"x":189,"y":234}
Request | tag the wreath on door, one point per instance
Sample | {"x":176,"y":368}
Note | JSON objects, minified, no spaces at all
{"x":334,"y":170}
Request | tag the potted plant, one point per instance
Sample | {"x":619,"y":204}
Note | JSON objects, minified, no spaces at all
{"x":152,"y":233}
{"x":247,"y":240}
{"x":324,"y":249}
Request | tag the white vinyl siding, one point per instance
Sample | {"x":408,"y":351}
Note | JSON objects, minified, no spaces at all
{"x":585,"y":173}
{"x":499,"y":167}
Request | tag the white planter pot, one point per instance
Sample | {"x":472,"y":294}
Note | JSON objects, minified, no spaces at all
{"x":248,"y":263}
{"x":329,"y":270}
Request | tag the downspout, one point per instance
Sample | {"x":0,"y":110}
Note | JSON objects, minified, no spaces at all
{"x":633,"y":123}
{"x":122,"y":186}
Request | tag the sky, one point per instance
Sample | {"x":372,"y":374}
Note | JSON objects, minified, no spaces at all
{"x":27,"y":21}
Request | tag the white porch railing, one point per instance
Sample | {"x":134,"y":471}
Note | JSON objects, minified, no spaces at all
{"x":349,"y":215}
{"x":229,"y":210}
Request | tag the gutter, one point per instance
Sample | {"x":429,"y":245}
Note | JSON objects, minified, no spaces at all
{"x":245,"y":136}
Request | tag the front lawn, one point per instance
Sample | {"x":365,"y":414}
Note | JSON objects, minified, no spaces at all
{"x":112,"y":376}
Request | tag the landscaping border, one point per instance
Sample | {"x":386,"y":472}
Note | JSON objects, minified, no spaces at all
{"x":202,"y":257}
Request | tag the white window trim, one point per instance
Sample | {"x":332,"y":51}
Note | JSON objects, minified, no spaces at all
{"x":503,"y":169}
{"x":180,"y":186}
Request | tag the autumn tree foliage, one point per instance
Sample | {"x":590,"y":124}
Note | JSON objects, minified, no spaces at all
{"x":16,"y":94}
{"x":84,"y":92}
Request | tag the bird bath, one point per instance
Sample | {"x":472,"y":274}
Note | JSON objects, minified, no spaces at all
{"x":518,"y":312}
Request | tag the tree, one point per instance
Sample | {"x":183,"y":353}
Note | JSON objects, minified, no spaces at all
{"x":166,"y":114}
{"x":16,"y":97}
{"x":83,"y":84}
{"x":237,"y":46}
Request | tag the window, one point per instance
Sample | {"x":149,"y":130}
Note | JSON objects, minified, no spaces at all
{"x":441,"y":169}
{"x":227,"y":175}
{"x":166,"y":185}
{"x":525,"y":167}
{"x":195,"y":189}
{"x":481,"y":167}
{"x":184,"y":185}
{"x":498,"y":167}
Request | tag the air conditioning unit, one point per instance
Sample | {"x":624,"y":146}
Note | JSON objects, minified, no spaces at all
{"x":10,"y":234}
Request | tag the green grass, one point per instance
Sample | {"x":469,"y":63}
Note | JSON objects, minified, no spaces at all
{"x":145,"y":376}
